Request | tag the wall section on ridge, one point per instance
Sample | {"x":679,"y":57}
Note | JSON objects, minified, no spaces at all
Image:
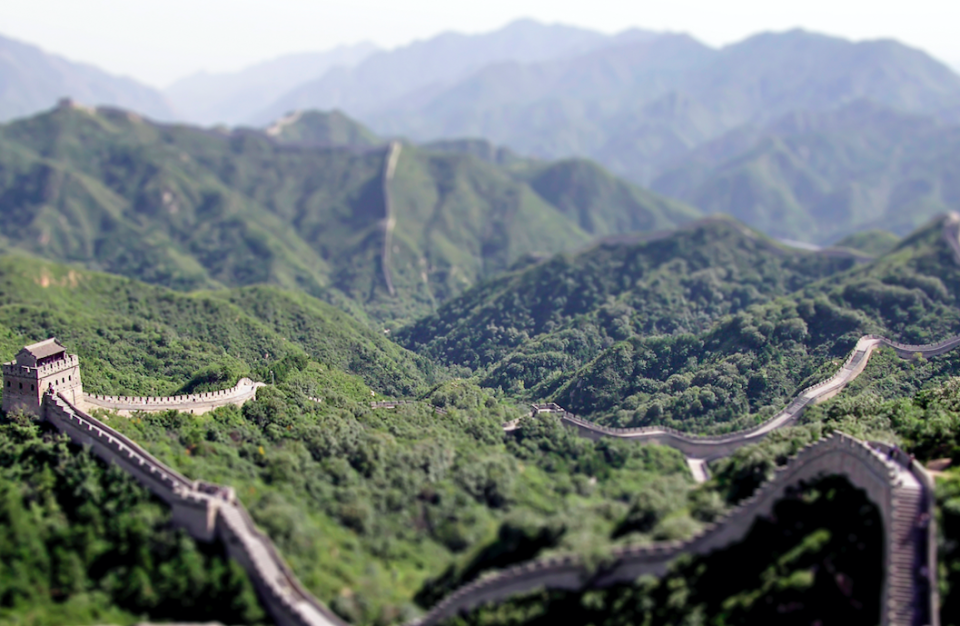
{"x":196,"y":403}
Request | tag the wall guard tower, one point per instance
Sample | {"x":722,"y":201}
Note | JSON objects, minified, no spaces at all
{"x":36,"y":368}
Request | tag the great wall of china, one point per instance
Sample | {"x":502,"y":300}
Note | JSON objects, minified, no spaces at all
{"x":195,"y":403}
{"x":901,"y":489}
{"x":389,"y":218}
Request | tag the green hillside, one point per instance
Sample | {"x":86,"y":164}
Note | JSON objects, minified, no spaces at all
{"x":601,"y":203}
{"x":531,"y":324}
{"x":380,"y":512}
{"x":139,"y":339}
{"x":710,"y":328}
{"x":821,"y":176}
{"x":189,"y":208}
{"x":748,"y":365}
{"x":320,"y":128}
{"x":387,"y":504}
{"x":872,"y":242}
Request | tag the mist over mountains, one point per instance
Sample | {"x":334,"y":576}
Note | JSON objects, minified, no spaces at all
{"x":32,"y":80}
{"x":802,"y":135}
{"x":232,"y":98}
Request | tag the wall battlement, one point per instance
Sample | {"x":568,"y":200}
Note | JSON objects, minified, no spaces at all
{"x":206,"y":511}
{"x":196,"y":403}
{"x":888,"y":485}
{"x":901,"y":488}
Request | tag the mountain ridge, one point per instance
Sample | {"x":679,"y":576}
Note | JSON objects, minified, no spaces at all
{"x":32,"y":80}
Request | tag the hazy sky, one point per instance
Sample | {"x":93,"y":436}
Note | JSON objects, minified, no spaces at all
{"x":157,"y":41}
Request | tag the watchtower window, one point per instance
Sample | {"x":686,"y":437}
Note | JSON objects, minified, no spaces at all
{"x":31,"y":387}
{"x":21,"y":385}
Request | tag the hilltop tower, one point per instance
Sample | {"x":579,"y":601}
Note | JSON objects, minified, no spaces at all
{"x":36,"y":368}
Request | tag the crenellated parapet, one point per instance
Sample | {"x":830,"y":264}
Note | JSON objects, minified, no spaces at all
{"x":710,"y":447}
{"x":205,"y":510}
{"x":901,"y":497}
{"x":196,"y":403}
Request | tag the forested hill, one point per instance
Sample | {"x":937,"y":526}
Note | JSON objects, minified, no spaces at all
{"x":561,"y":312}
{"x":711,"y":327}
{"x":189,"y":208}
{"x":748,"y":365}
{"x":139,"y":339}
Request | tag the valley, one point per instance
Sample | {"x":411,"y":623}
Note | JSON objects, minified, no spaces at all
{"x":527,"y":326}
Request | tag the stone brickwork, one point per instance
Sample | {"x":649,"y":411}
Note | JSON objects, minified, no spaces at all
{"x":900,"y":491}
{"x":206,"y":511}
{"x":25,"y":379}
{"x":195,"y":403}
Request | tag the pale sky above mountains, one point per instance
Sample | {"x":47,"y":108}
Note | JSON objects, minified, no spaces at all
{"x":159,"y":41}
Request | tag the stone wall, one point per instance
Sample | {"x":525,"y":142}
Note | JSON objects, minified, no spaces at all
{"x":719,"y":446}
{"x":196,"y":403}
{"x":839,"y":454}
{"x":206,"y":511}
{"x":23,"y":385}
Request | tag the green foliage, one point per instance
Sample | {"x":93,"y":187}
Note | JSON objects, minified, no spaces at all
{"x":818,"y":558}
{"x":137,"y":339}
{"x":189,"y":208}
{"x":872,"y":242}
{"x":555,"y":316}
{"x":325,"y":129}
{"x":82,"y":542}
{"x":371,"y":507}
{"x":747,"y":366}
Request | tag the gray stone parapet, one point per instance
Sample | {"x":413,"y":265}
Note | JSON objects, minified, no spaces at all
{"x":883,"y":480}
{"x":244,"y":390}
{"x":207,"y":511}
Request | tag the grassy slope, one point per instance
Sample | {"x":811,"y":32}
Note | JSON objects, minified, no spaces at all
{"x":141,"y":339}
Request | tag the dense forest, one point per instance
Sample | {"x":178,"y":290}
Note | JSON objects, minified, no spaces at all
{"x":305,"y":208}
{"x":381,"y":512}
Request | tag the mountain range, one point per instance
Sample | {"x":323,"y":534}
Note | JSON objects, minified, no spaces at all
{"x":820,"y":175}
{"x":32,"y":80}
{"x":192,"y":208}
{"x":806,"y":137}
{"x":234,"y":97}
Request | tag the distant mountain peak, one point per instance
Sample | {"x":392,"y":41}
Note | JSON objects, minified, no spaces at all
{"x":32,"y":80}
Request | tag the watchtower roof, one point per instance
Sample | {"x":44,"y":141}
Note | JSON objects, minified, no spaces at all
{"x":45,"y":348}
{"x":40,"y":352}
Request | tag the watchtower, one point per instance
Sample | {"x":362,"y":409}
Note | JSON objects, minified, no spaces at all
{"x":36,"y":368}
